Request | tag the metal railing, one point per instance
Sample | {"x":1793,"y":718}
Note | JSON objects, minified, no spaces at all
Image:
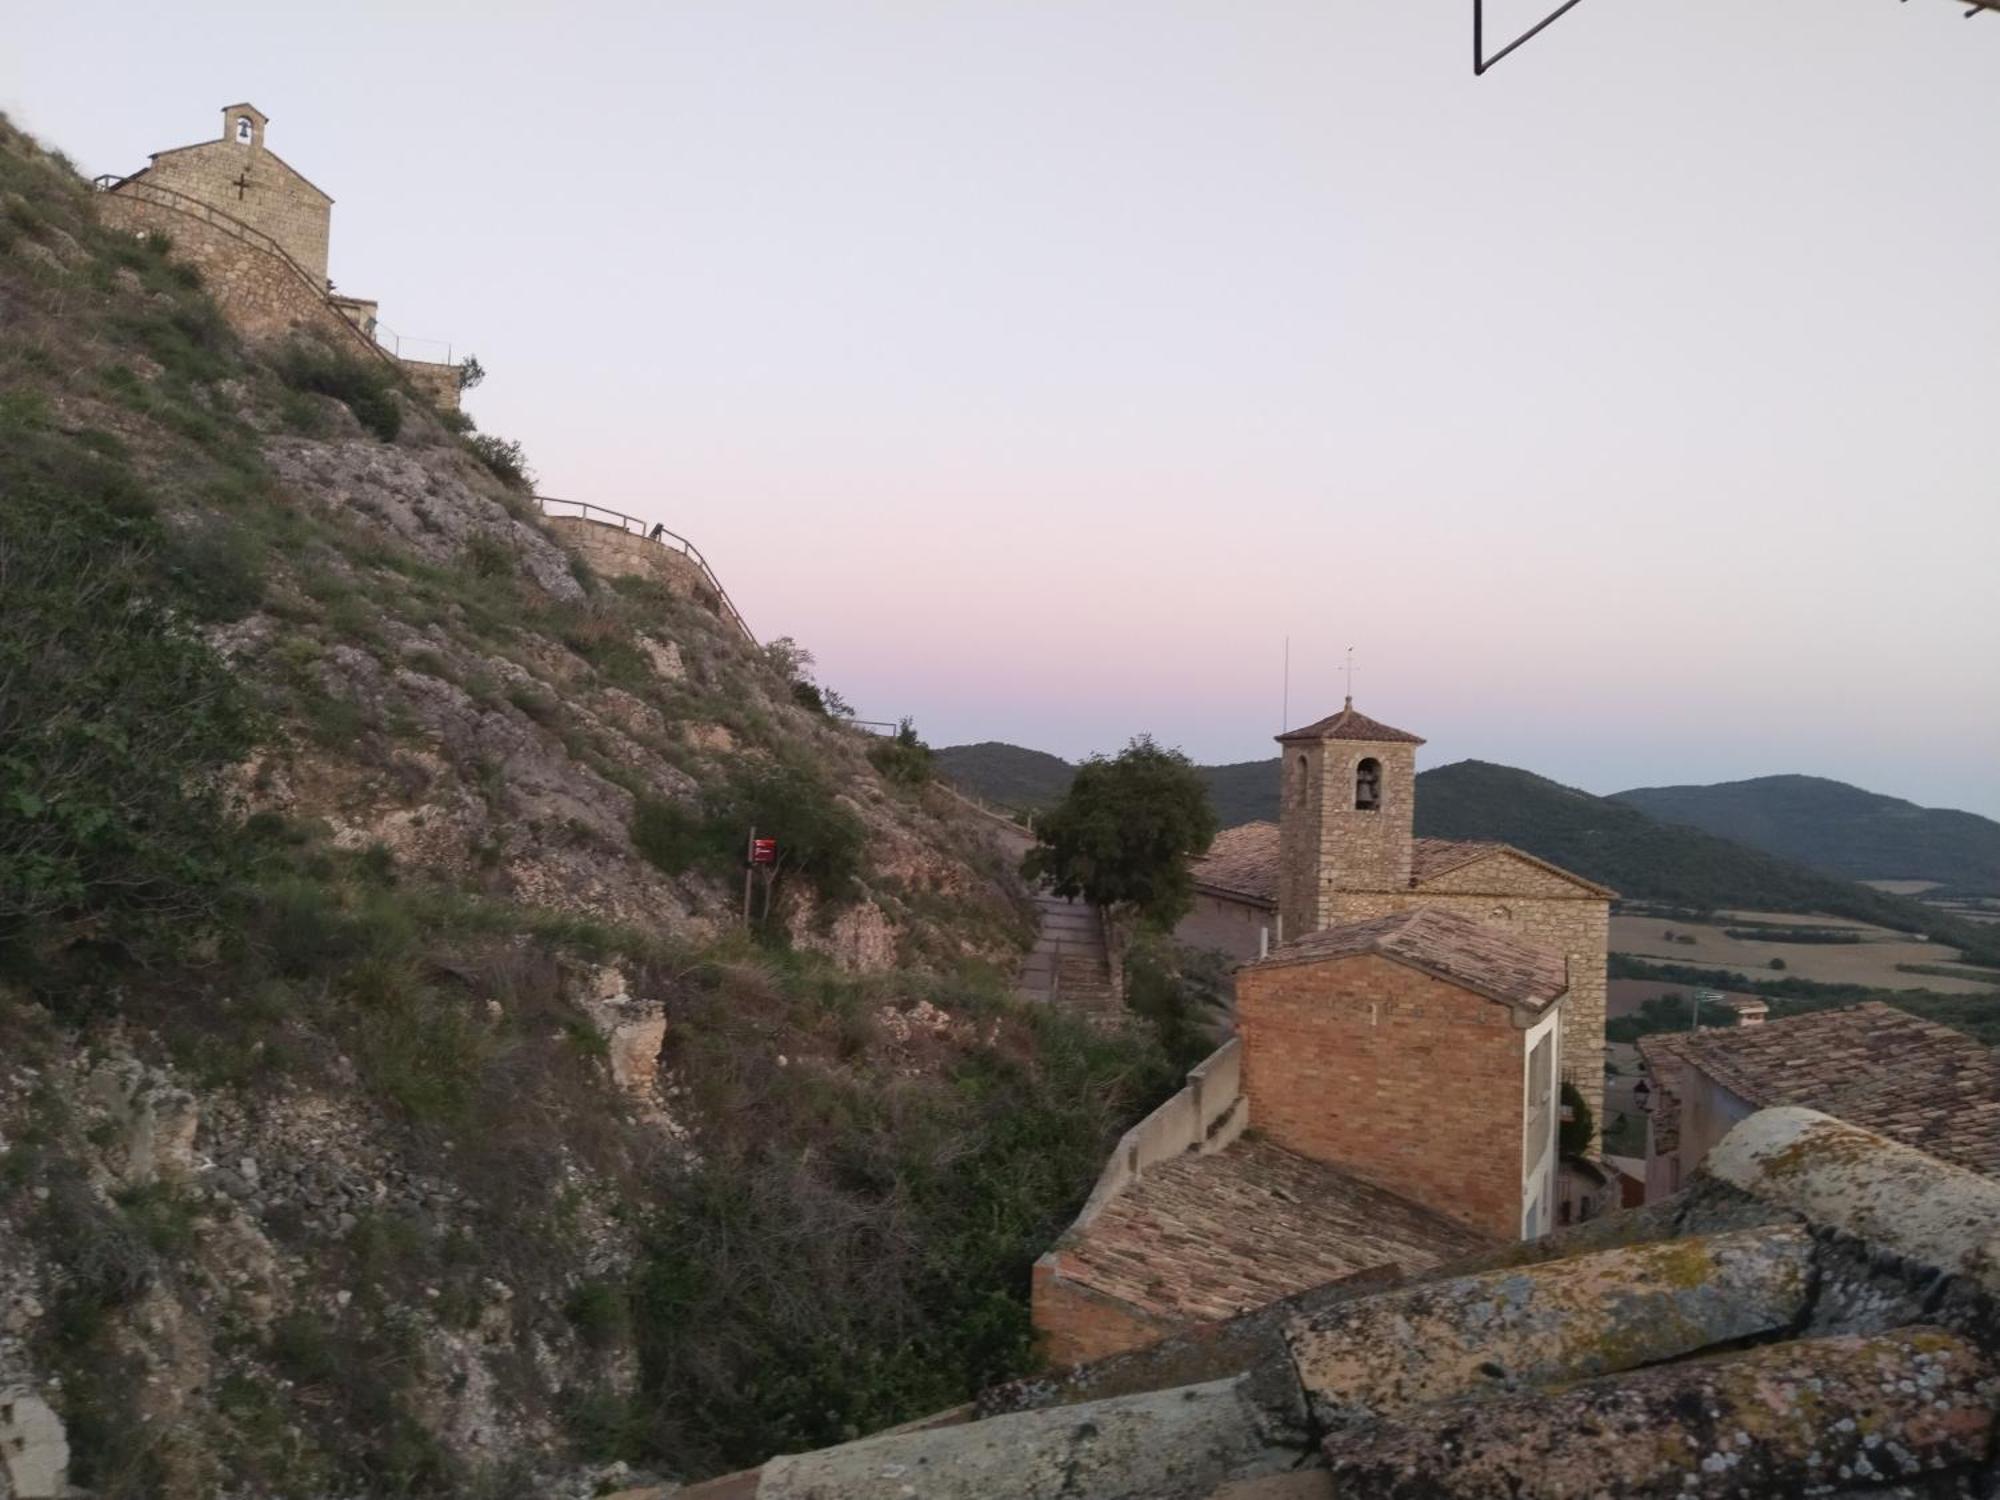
{"x":176,"y":201}
{"x":673,"y":541}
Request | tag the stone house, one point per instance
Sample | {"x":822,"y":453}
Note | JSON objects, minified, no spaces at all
{"x":1872,"y":1065}
{"x":259,"y":232}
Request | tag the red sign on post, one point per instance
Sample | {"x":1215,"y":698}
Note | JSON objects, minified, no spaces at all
{"x":763,"y":851}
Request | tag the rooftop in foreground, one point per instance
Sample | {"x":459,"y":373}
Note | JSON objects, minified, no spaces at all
{"x":1207,"y":1237}
{"x":1814,"y":1315}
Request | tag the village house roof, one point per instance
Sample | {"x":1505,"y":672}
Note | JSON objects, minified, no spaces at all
{"x":1872,"y":1065}
{"x":1349,"y":724}
{"x":1200,"y":1238}
{"x":1243,"y":861}
{"x":1447,"y":946}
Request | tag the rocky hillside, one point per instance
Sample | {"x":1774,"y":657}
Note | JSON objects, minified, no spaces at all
{"x":389,"y":1104}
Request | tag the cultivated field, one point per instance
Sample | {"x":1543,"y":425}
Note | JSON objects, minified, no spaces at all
{"x":1871,"y":961}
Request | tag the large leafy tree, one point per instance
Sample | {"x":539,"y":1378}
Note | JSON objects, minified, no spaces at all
{"x":1127,"y":832}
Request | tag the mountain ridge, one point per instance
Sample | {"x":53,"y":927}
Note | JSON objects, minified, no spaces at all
{"x":1612,"y":841}
{"x":1836,"y":827}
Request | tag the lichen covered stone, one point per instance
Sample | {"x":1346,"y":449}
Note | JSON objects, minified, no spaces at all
{"x":1500,"y":1331}
{"x":1818,"y":1416}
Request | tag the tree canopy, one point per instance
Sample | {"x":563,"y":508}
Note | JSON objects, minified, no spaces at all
{"x":1126,"y":833}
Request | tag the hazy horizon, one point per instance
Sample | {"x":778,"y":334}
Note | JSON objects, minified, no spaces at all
{"x":1042,"y":369}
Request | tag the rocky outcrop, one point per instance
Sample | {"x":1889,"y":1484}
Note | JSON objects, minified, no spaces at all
{"x":424,"y":502}
{"x":34,"y":1450}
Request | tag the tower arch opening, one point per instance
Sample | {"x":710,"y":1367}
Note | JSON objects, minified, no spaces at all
{"x":1368,"y":785}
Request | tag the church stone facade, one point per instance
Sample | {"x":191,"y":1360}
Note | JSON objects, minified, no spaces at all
{"x":258,"y":230}
{"x":1345,"y":850}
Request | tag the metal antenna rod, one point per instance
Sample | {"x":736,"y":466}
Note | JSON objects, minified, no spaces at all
{"x":1285,"y":708}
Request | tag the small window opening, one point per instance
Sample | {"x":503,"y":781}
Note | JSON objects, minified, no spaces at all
{"x":1299,"y":789}
{"x":1368,"y":785}
{"x":243,"y":129}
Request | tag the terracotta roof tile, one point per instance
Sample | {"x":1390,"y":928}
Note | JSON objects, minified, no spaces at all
{"x":1207,"y":1237}
{"x":1351,"y":725}
{"x":1430,"y":858}
{"x":1872,"y":1065}
{"x":1454,"y":948}
{"x":1242,"y":861}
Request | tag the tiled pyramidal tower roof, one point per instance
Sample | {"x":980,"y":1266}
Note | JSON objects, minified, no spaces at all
{"x":1351,"y":724}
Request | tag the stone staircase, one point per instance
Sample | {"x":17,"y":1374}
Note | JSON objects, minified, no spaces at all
{"x":1068,"y":965}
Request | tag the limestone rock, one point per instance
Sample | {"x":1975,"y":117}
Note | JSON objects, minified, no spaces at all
{"x":437,"y":515}
{"x":1787,"y":1419}
{"x":1591,"y":1315}
{"x":34,"y":1450}
{"x":665,"y":657}
{"x":1165,"y":1445}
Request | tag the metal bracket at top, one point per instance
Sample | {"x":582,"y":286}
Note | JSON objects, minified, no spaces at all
{"x":1480,"y":61}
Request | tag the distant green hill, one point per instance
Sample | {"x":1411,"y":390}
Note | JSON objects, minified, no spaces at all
{"x":1837,"y":828}
{"x":1603,"y":839}
{"x":1020,"y":778}
{"x":1641,"y":857}
{"x":1009,"y":775}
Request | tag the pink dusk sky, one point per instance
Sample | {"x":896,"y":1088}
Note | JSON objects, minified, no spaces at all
{"x":1634,"y":411}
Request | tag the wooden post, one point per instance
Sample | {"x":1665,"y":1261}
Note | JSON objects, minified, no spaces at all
{"x":749,"y":869}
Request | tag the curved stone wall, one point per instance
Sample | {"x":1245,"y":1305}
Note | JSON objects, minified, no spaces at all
{"x":614,"y":552}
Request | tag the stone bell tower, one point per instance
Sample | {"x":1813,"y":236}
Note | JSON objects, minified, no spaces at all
{"x":1346,"y":818}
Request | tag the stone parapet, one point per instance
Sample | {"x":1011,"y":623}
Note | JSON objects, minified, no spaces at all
{"x":614,"y":551}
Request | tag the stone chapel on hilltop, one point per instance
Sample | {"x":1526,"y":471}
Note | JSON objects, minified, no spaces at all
{"x":258,"y":230}
{"x":1390,"y":1098}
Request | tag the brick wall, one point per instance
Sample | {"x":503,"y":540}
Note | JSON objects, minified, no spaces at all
{"x":1400,"y":1078}
{"x":1078,"y":1325}
{"x":1574,"y":924}
{"x":272,"y":197}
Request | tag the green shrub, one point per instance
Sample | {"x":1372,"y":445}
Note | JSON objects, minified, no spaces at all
{"x":1573,"y":1137}
{"x":903,"y":759}
{"x":218,"y":570}
{"x":863,"y":1255}
{"x":504,"y":458}
{"x":1182,"y":992}
{"x":673,"y":837}
{"x":118,"y":721}
{"x":599,"y":1312}
{"x":489,"y":557}
{"x":366,"y":388}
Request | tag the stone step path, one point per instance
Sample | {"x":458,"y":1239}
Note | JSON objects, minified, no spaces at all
{"x":1068,"y":964}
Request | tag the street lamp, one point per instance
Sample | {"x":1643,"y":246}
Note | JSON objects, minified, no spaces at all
{"x":1642,"y":1095}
